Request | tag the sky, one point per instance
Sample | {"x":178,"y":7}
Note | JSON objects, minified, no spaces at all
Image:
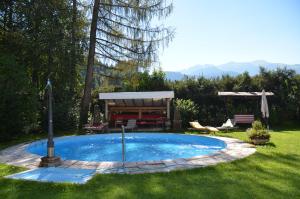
{"x":221,"y":31}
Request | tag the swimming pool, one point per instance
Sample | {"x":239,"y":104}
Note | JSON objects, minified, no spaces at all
{"x":138,"y":146}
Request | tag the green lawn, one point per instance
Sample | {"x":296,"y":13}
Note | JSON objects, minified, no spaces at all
{"x":272,"y":172}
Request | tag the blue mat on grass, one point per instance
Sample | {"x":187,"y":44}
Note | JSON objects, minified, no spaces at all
{"x":55,"y":174}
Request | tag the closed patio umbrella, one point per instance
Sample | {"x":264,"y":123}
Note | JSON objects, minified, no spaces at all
{"x":264,"y":107}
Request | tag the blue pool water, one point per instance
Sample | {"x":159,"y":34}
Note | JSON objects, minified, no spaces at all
{"x":139,"y":147}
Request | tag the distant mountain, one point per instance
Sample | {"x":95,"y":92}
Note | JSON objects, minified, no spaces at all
{"x":174,"y":75}
{"x":251,"y":67}
{"x":207,"y":71}
{"x":231,"y":68}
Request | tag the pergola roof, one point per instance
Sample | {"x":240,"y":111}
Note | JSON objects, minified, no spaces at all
{"x":244,"y":94}
{"x":137,"y":95}
{"x":137,"y":99}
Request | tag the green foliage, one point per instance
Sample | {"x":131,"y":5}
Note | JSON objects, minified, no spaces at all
{"x":125,"y":30}
{"x":188,"y":110}
{"x":153,"y":82}
{"x":65,"y":111}
{"x":258,"y":131}
{"x":127,"y":76}
{"x":257,"y":125}
{"x":285,"y":85}
{"x":123,"y":77}
{"x":18,"y":102}
{"x":45,"y":38}
{"x":260,"y":134}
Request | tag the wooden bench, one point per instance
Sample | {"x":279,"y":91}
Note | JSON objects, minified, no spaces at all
{"x":243,"y":119}
{"x":103,"y":127}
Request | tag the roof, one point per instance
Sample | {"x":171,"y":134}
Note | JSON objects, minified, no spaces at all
{"x":244,"y":94}
{"x":137,"y":95}
{"x":137,"y":99}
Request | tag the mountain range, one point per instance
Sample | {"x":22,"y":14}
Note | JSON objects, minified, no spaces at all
{"x":231,"y":68}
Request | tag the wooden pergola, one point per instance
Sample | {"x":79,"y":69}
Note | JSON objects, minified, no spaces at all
{"x":142,"y":106}
{"x":246,"y":95}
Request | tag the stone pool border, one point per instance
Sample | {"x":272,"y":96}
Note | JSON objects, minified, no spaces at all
{"x":236,"y":149}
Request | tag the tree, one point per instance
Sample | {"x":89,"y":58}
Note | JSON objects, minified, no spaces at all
{"x":121,"y":31}
{"x":153,"y":82}
{"x":89,"y":73}
{"x":127,"y":73}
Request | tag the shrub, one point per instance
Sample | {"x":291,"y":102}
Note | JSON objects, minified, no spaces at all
{"x":263,"y":134}
{"x":188,"y":110}
{"x":258,"y":131}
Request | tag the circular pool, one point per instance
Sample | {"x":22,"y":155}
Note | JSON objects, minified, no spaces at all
{"x":138,"y":147}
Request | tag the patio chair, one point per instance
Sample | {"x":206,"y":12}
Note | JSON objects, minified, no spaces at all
{"x":198,"y":127}
{"x":131,"y":124}
{"x":228,"y":125}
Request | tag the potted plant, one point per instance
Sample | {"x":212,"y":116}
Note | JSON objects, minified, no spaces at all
{"x":258,"y":134}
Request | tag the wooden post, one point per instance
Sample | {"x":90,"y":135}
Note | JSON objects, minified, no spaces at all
{"x":106,"y":110}
{"x":140,"y":114}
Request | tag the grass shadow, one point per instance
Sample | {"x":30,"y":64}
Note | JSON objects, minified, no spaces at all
{"x":270,"y":144}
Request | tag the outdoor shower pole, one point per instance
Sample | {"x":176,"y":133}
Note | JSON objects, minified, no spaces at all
{"x":50,"y":160}
{"x":50,"y":143}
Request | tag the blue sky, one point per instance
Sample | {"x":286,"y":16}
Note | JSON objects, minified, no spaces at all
{"x":220,"y":31}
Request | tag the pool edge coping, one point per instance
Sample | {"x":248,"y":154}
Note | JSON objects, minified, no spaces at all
{"x":235,"y":149}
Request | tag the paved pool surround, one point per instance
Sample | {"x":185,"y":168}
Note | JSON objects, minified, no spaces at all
{"x":236,"y":149}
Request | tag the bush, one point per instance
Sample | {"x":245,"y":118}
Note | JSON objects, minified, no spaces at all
{"x":258,"y":131}
{"x":188,"y":110}
{"x":261,"y":134}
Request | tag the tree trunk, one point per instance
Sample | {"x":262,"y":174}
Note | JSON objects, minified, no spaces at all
{"x":73,"y":60}
{"x":86,"y":99}
{"x":10,"y":16}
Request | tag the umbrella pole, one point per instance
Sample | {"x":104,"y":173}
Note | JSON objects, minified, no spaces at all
{"x":267,"y":123}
